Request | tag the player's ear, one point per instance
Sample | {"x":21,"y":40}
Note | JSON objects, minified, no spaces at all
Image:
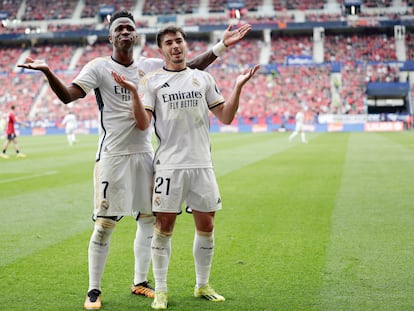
{"x":136,"y":38}
{"x":110,"y":39}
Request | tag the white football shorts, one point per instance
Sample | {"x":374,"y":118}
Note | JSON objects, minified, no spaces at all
{"x":70,"y":130}
{"x":123,"y":185}
{"x":299,"y":127}
{"x":196,"y":186}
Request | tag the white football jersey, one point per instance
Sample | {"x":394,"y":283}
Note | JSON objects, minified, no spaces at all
{"x":300,"y":117}
{"x":70,"y":121}
{"x":180,"y":102}
{"x":118,"y":132}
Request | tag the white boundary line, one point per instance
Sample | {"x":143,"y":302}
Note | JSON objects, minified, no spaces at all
{"x":27,"y":177}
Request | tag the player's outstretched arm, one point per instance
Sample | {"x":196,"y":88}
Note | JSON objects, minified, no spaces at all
{"x":65,"y":93}
{"x":142,"y":116}
{"x":226,"y":112}
{"x":230,"y":37}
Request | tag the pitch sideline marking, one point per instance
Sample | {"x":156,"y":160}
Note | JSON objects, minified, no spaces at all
{"x":28,"y":177}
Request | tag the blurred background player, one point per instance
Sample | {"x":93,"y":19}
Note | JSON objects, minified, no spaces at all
{"x":70,"y":122}
{"x":11,"y":134}
{"x":299,"y":127}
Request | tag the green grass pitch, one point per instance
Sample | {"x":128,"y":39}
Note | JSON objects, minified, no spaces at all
{"x":322,"y":226}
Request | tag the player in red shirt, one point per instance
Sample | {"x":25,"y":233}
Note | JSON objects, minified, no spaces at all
{"x":11,"y":135}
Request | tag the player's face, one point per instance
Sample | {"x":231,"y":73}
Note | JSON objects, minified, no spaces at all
{"x":122,"y":33}
{"x":174,"y":49}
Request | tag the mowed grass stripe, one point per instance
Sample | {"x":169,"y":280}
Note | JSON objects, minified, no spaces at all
{"x":369,"y":264}
{"x":232,"y":151}
{"x":273,"y":237}
{"x":40,"y":159}
{"x":13,"y":179}
{"x":57,"y":276}
{"x":40,"y":208}
{"x":39,"y":219}
{"x":275,"y":225}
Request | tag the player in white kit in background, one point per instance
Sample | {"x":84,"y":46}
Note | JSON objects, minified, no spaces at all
{"x":299,"y":127}
{"x":70,"y":123}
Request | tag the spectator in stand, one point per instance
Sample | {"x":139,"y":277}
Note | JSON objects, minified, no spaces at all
{"x":11,"y":134}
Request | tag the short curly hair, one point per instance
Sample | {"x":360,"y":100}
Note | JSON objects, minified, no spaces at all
{"x":119,"y":14}
{"x":169,"y":29}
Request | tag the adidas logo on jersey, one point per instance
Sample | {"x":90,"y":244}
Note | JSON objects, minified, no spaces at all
{"x":165,"y":85}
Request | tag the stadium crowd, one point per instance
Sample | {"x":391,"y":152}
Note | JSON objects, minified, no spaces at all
{"x":279,"y":92}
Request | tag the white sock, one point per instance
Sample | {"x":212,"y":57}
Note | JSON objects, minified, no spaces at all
{"x":161,"y":253}
{"x":203,"y":251}
{"x":98,"y":251}
{"x":293,"y":135}
{"x":303,"y":137}
{"x":142,"y":248}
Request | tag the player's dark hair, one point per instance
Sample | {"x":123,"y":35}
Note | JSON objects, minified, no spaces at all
{"x":169,"y":29}
{"x":119,"y":14}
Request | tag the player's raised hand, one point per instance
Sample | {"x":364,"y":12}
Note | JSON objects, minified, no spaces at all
{"x":231,"y":37}
{"x":122,"y":81}
{"x":35,"y":64}
{"x":246,"y":75}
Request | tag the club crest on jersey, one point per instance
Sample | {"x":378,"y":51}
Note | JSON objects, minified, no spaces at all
{"x":157,"y":201}
{"x":196,"y":82}
{"x":104,"y":204}
{"x":141,"y":73}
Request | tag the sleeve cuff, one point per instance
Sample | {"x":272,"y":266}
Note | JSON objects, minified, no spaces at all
{"x":219,"y":48}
